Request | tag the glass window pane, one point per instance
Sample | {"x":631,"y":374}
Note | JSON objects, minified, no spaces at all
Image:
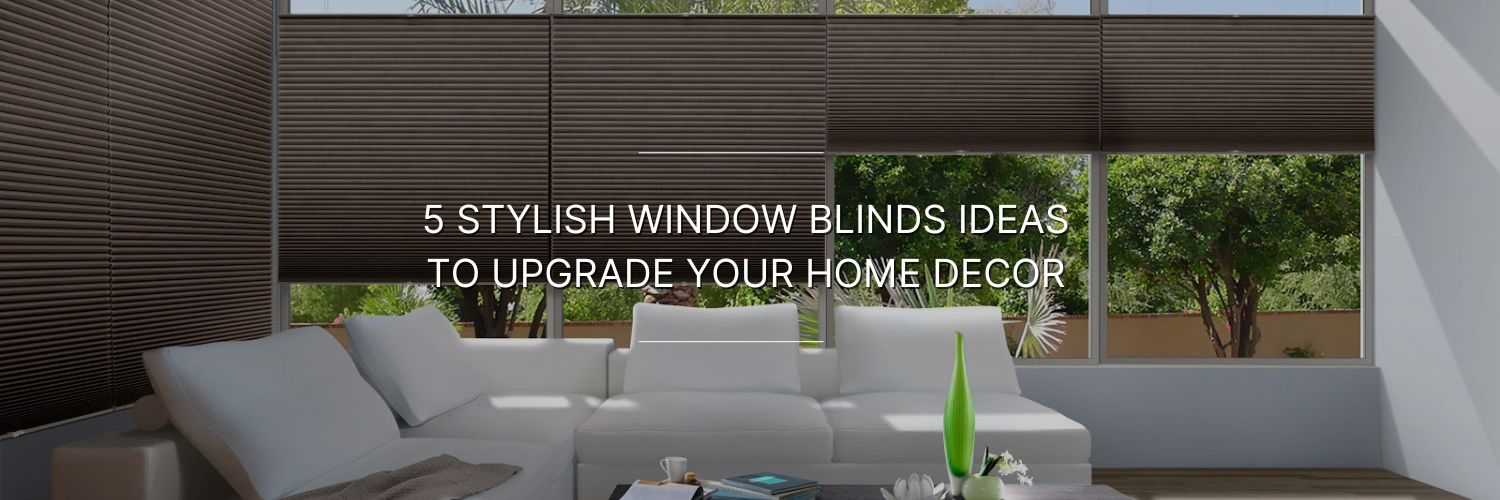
{"x":1013,"y":7}
{"x":607,"y":312}
{"x":1234,"y":256}
{"x":993,"y":180}
{"x":690,"y":6}
{"x":519,"y":312}
{"x":1247,"y":7}
{"x":416,"y":6}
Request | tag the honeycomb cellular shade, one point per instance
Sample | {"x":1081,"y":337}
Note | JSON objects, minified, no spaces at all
{"x":627,"y":90}
{"x":54,"y":204}
{"x":190,"y":177}
{"x":1185,"y":84}
{"x":135,"y":190}
{"x":942,"y":84}
{"x":382,"y":116}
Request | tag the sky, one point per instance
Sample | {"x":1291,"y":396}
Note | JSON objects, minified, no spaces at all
{"x":1063,"y":6}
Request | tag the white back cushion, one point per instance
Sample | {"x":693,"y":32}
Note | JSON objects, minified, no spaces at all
{"x":713,"y":366}
{"x":416,"y":361}
{"x":273,"y":413}
{"x":820,"y":372}
{"x":884,"y":349}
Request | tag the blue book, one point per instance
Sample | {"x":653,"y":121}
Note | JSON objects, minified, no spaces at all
{"x":725,"y":495}
{"x":769,"y":483}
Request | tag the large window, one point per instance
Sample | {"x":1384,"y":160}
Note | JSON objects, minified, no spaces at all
{"x":1234,"y":256}
{"x":1050,"y":322}
{"x":479,"y":311}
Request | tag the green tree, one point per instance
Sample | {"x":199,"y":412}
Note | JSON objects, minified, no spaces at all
{"x":496,"y":310}
{"x":1225,"y":231}
{"x":952,"y":181}
{"x":324,"y":303}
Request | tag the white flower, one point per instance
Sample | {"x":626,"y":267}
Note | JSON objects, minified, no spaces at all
{"x":916,"y":487}
{"x":1026,"y":480}
{"x":1006,"y":456}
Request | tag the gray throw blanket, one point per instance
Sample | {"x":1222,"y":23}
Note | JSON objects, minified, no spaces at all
{"x":438,"y":478}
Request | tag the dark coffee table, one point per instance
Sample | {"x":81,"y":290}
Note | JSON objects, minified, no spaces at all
{"x":1012,"y":492}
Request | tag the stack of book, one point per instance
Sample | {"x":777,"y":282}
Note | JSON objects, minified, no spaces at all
{"x":765,"y":486}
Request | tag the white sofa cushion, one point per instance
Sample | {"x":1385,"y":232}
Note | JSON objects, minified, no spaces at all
{"x":883,"y":349}
{"x":543,"y":419}
{"x":716,"y":365}
{"x":707,"y":428}
{"x":415,"y":361}
{"x":540,"y":464}
{"x":272,"y":413}
{"x":907,"y":427}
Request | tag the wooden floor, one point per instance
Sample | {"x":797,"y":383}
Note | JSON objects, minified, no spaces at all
{"x":1278,"y":484}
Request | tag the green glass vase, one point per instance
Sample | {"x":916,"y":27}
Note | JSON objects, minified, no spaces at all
{"x":958,"y":423}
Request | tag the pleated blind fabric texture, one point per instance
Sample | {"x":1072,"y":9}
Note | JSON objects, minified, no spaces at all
{"x":190,"y":177}
{"x":1180,"y":84}
{"x":381,"y":116}
{"x":652,"y":110}
{"x":937,"y":84}
{"x":134,"y":193}
{"x":54,"y":212}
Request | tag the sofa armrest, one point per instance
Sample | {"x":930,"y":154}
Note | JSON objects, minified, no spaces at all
{"x":135,"y":465}
{"x":543,"y":366}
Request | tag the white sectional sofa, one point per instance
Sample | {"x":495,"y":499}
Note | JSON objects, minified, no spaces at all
{"x":579,"y":419}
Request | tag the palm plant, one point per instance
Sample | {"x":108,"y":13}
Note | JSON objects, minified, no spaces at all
{"x":809,"y":300}
{"x":1041,"y":332}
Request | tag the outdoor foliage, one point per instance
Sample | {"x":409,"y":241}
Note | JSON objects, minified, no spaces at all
{"x":332,"y":303}
{"x":1231,"y":235}
{"x":1220,"y":236}
{"x":991,"y":180}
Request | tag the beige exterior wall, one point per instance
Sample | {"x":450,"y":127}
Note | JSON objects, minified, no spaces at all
{"x":1336,"y":334}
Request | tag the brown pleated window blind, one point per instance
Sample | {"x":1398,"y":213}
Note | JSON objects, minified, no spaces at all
{"x":934,"y":84}
{"x":54,"y":212}
{"x":190,"y":177}
{"x":687,"y":111}
{"x":381,"y":116}
{"x":1215,"y":84}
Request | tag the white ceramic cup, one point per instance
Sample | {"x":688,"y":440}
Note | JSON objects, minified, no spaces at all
{"x":675,"y":467}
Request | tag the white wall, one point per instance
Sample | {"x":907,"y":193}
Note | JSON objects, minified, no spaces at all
{"x":1224,"y":416}
{"x":1437,"y":247}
